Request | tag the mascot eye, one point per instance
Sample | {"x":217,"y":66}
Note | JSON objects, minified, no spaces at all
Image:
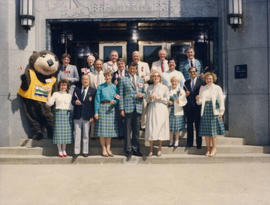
{"x":43,"y":56}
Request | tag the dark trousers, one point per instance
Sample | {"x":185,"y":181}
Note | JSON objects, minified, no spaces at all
{"x":193,"y":116}
{"x":132,"y":123}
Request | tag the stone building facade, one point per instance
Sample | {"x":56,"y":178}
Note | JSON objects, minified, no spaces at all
{"x":247,"y":100}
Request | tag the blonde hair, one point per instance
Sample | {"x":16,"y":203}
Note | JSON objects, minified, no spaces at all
{"x":153,"y":73}
{"x":175,"y":78}
{"x":107,"y":72}
{"x":212,"y":74}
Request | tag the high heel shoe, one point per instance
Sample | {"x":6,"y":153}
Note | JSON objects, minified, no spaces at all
{"x":60,"y":155}
{"x":104,"y":154}
{"x":64,"y":154}
{"x":150,"y":154}
{"x":110,"y":154}
{"x":213,"y":153}
{"x":207,"y":154}
{"x":159,"y":153}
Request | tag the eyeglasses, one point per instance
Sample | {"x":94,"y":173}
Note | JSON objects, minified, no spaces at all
{"x":192,"y":71}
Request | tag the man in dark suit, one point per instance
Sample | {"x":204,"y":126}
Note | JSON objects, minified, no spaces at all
{"x":83,"y":101}
{"x":192,"y":110}
{"x":121,"y":72}
{"x":131,"y":90}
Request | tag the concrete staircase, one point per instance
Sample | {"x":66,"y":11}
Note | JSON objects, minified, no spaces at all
{"x":44,"y":152}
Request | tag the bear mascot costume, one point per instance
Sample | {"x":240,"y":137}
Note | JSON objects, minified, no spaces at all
{"x":38,"y":82}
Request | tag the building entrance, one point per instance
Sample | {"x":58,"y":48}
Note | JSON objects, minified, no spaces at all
{"x":98,"y":37}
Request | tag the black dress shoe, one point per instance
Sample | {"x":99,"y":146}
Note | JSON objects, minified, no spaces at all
{"x":129,"y":155}
{"x":85,"y":155}
{"x":74,"y":157}
{"x":139,"y":154}
{"x":199,"y":146}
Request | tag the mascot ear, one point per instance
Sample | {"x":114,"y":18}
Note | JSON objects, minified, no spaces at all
{"x":33,"y":58}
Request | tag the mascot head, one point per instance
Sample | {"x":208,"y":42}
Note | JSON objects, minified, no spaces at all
{"x":44,"y":62}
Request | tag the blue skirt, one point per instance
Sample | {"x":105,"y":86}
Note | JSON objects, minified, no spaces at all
{"x":177,"y":123}
{"x":210,"y":125}
{"x":107,"y":123}
{"x":62,"y":132}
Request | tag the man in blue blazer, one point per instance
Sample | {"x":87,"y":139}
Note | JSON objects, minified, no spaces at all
{"x":190,"y":62}
{"x":83,"y":101}
{"x":192,"y":110}
{"x":117,"y":75}
{"x":131,"y":89}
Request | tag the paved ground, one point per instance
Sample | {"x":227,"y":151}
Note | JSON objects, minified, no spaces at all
{"x":188,"y":184}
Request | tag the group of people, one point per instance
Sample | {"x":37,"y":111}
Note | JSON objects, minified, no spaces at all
{"x":116,"y":100}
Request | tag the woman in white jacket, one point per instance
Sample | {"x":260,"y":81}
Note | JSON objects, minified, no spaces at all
{"x":211,"y":98}
{"x":176,"y":103}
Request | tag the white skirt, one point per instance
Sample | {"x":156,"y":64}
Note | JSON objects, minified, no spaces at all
{"x":157,"y":122}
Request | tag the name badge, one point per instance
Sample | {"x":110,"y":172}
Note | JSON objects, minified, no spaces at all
{"x":117,"y":96}
{"x":142,"y":68}
{"x":67,"y":72}
{"x":49,"y":80}
{"x":90,"y":98}
{"x":140,"y":85}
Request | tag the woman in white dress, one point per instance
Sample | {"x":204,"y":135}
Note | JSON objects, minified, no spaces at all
{"x":157,"y":114}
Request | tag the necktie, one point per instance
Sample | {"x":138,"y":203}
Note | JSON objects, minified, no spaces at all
{"x":192,"y":84}
{"x":162,"y":69}
{"x":133,"y":81}
{"x":191,"y":63}
{"x":83,"y":93}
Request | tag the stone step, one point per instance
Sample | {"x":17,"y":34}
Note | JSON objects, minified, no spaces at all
{"x":52,"y":150}
{"x":119,"y":159}
{"x":221,"y":140}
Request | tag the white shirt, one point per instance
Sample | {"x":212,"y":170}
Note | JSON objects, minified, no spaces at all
{"x":110,"y":66}
{"x":94,"y":77}
{"x":62,"y":100}
{"x":143,"y":70}
{"x":131,"y":78}
{"x":193,"y":62}
{"x":121,"y":73}
{"x":157,"y":66}
{"x":195,"y":80}
{"x":167,"y":76}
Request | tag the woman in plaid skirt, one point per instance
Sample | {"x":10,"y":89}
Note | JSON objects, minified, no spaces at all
{"x":211,"y":98}
{"x":106,"y":125}
{"x":62,"y":133}
{"x":176,"y":103}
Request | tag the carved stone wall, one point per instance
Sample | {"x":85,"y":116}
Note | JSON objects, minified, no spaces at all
{"x":129,"y":8}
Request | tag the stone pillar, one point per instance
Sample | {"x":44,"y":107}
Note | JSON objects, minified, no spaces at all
{"x":4,"y":77}
{"x":248,"y":99}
